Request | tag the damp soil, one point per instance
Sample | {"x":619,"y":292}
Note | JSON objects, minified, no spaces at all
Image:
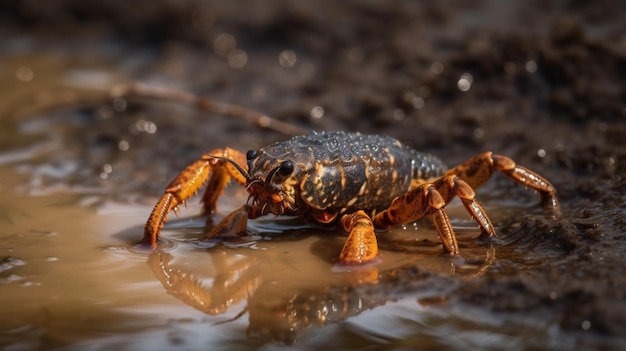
{"x":542,"y":83}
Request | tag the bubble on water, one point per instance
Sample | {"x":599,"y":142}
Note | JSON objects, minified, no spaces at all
{"x":465,"y":82}
{"x":224,"y":44}
{"x":398,"y":114}
{"x":123,"y":145}
{"x":317,"y":112}
{"x":541,"y":153}
{"x":237,"y":58}
{"x":436,"y":67}
{"x":287,"y":58}
{"x":146,"y":126}
{"x":585,"y":325}
{"x":531,"y":66}
{"x":417,"y":102}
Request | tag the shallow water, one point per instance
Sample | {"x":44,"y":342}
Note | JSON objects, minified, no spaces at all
{"x":72,"y":278}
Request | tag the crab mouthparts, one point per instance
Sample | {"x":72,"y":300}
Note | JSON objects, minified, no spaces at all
{"x":261,"y":191}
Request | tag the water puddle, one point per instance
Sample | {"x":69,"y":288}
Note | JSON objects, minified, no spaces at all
{"x":71,"y":276}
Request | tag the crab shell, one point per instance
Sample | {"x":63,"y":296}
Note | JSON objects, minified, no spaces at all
{"x":327,"y":174}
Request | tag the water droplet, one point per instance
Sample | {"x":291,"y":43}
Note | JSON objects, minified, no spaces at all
{"x":398,"y":114}
{"x":317,"y":112}
{"x":287,"y":58}
{"x":123,"y":145}
{"x":541,"y":153}
{"x":417,"y":102}
{"x":436,"y":67}
{"x":585,"y":325}
{"x":224,"y":44}
{"x":237,"y":58}
{"x":465,"y":82}
{"x":531,"y":66}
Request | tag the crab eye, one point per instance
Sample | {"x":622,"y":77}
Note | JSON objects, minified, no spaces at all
{"x":286,"y":168}
{"x":252,"y":154}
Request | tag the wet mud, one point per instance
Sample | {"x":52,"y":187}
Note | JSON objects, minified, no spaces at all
{"x":81,"y":168}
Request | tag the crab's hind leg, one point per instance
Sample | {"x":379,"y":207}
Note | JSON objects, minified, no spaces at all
{"x":428,"y":198}
{"x":478,"y":169}
{"x":188,"y":182}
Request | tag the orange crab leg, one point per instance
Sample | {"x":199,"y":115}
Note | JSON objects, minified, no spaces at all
{"x":431,"y":198}
{"x":234,"y":223}
{"x":361,"y":245}
{"x":415,"y":204}
{"x":478,"y":169}
{"x":188,"y":182}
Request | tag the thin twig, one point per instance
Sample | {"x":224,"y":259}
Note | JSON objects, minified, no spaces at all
{"x":203,"y":103}
{"x":46,"y":101}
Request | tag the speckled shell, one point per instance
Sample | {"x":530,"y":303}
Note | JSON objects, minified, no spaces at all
{"x":344,"y":172}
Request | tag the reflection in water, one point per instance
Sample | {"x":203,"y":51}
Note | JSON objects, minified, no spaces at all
{"x":280,"y":308}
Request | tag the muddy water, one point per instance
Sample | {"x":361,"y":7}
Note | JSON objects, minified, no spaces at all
{"x":72,"y":206}
{"x":71,"y":277}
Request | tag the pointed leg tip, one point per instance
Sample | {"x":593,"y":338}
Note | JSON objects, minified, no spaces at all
{"x":146,"y":245}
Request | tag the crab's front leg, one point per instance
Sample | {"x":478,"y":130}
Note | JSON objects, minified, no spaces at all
{"x":187,"y":183}
{"x":361,"y":245}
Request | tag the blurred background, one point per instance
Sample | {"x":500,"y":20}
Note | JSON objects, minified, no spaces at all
{"x":541,"y":82}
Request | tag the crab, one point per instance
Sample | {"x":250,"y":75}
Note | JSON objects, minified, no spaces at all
{"x":359,"y":182}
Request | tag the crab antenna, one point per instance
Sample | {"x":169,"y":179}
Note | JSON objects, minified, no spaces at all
{"x":269,"y":177}
{"x":235,"y":164}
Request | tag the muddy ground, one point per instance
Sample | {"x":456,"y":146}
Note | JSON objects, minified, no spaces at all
{"x":541,"y":82}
